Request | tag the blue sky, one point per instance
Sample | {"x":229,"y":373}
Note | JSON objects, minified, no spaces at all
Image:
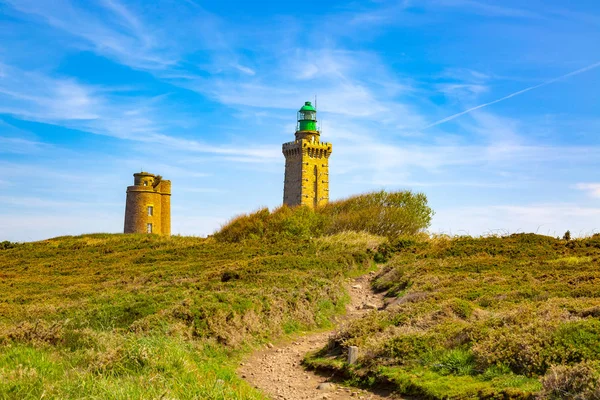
{"x":490,"y":108}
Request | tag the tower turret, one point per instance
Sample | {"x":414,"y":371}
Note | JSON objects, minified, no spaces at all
{"x":148,"y":205}
{"x":306,"y":163}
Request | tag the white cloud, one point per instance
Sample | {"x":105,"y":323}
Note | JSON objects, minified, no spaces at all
{"x":17,"y":145}
{"x":500,"y":132}
{"x":514,"y":94}
{"x":110,"y":28}
{"x":482,"y":8}
{"x":33,"y":96}
{"x":101,"y":110}
{"x":19,"y":170}
{"x":370,"y":111}
{"x":244,"y":69}
{"x":495,"y":146}
{"x":466,"y":75}
{"x":592,"y":189}
{"x":462,"y":91}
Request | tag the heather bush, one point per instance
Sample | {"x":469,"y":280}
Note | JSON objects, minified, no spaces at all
{"x":389,"y":214}
{"x":245,"y":226}
{"x":7,"y":245}
{"x":575,"y":341}
{"x":576,"y":382}
{"x":298,"y":222}
{"x":509,"y":317}
{"x":381,"y":213}
{"x":147,"y":317}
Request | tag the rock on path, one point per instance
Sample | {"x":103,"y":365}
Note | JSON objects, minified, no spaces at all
{"x":277,"y":370}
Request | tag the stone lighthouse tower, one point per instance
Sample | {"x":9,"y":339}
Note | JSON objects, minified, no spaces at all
{"x":306,"y":163}
{"x":148,"y":206}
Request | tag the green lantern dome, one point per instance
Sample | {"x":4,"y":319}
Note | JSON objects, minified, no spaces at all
{"x":307,"y":118}
{"x":308,"y":107}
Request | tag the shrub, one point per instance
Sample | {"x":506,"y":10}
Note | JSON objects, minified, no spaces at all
{"x":462,"y":308}
{"x":381,"y":213}
{"x":244,"y":226}
{"x":520,"y":347}
{"x":298,"y":222}
{"x":410,"y":347}
{"x":5,"y":245}
{"x":576,"y":341}
{"x":485,"y":318}
{"x":578,"y":382}
{"x":455,"y":362}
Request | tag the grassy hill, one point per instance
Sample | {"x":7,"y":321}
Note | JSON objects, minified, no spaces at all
{"x":498,"y":317}
{"x":141,"y":316}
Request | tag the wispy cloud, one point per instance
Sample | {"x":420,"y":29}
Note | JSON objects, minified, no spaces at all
{"x":17,"y":145}
{"x":498,"y":153}
{"x":31,"y":96}
{"x":593,"y":189}
{"x":109,"y":27}
{"x":244,"y":69}
{"x":18,"y":171}
{"x":573,"y":73}
{"x":462,"y":90}
{"x":212,"y":97}
{"x":104,"y":111}
{"x":483,"y":8}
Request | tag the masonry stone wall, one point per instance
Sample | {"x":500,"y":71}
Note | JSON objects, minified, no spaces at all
{"x":306,"y":170}
{"x":148,"y":191}
{"x":165,"y":207}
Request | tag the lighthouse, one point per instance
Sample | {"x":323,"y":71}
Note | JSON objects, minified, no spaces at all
{"x":306,"y":163}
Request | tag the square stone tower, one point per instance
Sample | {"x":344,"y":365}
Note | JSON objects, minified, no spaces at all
{"x":148,"y":205}
{"x":306,"y":163}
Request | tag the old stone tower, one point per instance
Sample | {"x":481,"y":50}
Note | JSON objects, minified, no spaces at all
{"x":148,"y":206}
{"x":306,"y":163}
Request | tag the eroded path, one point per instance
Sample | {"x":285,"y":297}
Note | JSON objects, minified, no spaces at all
{"x":277,"y":371}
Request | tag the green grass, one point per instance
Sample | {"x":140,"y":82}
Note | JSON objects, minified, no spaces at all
{"x":489,"y":317}
{"x":142,"y":316}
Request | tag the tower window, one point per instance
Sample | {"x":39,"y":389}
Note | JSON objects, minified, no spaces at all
{"x":150,"y":211}
{"x":145,"y":183}
{"x":149,"y":228}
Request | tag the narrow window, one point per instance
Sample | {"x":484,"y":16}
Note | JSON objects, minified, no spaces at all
{"x":149,"y":228}
{"x":316,"y":188}
{"x":145,"y":183}
{"x":150,"y":211}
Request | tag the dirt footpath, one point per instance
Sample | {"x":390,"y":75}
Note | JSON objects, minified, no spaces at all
{"x":277,"y":370}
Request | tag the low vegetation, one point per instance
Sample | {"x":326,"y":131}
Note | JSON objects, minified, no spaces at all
{"x":142,"y":316}
{"x":379,"y":213}
{"x":496,"y":317}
